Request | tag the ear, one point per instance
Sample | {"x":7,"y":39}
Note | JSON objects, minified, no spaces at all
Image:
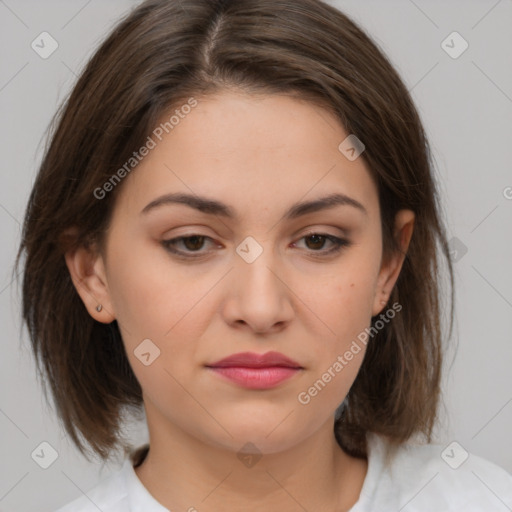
{"x":87,"y":270}
{"x":390,"y":268}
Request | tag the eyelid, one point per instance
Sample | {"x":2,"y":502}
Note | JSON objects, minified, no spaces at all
{"x":341,"y":233}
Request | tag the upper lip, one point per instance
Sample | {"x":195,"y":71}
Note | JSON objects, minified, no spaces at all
{"x":254,"y":360}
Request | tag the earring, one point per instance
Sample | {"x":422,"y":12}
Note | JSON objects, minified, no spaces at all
{"x":99,"y":307}
{"x":383,"y":302}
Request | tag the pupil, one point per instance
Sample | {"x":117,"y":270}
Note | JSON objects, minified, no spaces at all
{"x":319,"y":239}
{"x":193,"y":239}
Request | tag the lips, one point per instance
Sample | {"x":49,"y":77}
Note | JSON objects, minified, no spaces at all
{"x":256,"y":371}
{"x":253,"y":360}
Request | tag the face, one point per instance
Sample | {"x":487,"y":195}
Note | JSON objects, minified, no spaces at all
{"x":248,"y":271}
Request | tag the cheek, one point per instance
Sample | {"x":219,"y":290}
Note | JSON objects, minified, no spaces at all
{"x":157,"y":314}
{"x":348,"y":297}
{"x":149,"y":294}
{"x":346,"y":307}
{"x":154,"y":298}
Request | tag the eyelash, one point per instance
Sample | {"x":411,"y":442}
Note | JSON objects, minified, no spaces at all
{"x":339,"y":244}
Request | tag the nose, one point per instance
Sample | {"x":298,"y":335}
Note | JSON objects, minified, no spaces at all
{"x":258,"y":299}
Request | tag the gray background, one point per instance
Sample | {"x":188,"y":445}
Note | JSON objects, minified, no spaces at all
{"x":466,"y":105}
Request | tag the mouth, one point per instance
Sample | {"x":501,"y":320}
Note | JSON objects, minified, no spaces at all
{"x":256,"y":371}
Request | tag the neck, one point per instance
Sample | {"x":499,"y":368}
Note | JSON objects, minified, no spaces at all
{"x":184,"y":473}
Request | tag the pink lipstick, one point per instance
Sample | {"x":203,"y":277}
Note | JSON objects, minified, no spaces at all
{"x":256,"y":371}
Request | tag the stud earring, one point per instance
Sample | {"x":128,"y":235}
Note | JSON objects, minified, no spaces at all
{"x":99,"y":307}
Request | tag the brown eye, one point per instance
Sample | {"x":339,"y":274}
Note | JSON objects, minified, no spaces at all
{"x":193,"y":243}
{"x":187,"y":246}
{"x":315,"y":243}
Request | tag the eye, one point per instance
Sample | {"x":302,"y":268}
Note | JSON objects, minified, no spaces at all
{"x":316,"y":241}
{"x":192,"y":243}
{"x":190,"y":246}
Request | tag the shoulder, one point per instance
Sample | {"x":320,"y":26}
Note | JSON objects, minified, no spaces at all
{"x":110,"y":495}
{"x":419,"y":477}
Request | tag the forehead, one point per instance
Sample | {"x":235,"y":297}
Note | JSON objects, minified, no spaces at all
{"x":262,"y":151}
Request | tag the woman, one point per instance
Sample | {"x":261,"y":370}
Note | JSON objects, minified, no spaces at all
{"x":236,"y":229}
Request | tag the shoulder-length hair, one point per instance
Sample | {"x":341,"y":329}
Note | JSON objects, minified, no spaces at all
{"x":159,"y":55}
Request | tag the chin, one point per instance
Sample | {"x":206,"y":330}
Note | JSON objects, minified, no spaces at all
{"x":261,"y":435}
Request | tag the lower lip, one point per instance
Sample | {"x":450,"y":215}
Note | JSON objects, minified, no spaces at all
{"x":256,"y":378}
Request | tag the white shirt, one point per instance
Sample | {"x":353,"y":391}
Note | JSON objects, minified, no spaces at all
{"x":418,"y":479}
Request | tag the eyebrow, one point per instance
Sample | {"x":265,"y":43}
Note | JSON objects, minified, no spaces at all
{"x":213,"y":207}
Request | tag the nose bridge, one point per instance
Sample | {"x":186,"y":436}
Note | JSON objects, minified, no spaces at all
{"x":254,"y":263}
{"x":258,"y":295}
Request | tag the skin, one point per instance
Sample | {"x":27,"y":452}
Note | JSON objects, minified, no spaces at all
{"x":260,"y":155}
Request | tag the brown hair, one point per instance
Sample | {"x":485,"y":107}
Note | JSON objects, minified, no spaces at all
{"x":165,"y":51}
